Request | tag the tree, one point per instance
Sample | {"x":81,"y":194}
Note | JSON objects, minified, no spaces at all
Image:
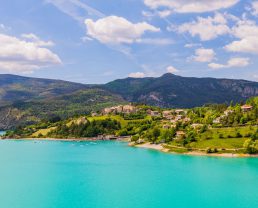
{"x":191,"y":136}
{"x":155,"y":134}
{"x":254,"y":136}
{"x":167,"y":135}
{"x":251,"y":146}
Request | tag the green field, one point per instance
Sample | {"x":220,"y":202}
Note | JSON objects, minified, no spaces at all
{"x":118,"y":118}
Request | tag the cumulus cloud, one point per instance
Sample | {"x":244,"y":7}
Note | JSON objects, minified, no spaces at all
{"x":245,"y":45}
{"x":204,"y":55}
{"x":206,"y":28}
{"x":190,"y":6}
{"x":172,"y":69}
{"x":25,"y":56}
{"x":246,"y":32}
{"x":136,"y":75}
{"x":117,"y":30}
{"x":233,"y":62}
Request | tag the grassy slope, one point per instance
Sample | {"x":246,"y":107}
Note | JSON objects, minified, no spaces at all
{"x":211,"y":139}
{"x":123,"y":122}
{"x":208,"y":139}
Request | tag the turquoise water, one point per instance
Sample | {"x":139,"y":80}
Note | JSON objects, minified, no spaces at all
{"x":111,"y":175}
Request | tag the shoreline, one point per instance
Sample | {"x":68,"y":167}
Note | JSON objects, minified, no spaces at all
{"x":159,"y":147}
{"x":90,"y":139}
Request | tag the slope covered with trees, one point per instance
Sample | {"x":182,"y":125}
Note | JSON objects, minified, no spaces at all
{"x":175,"y":91}
{"x":26,"y":100}
{"x":215,"y":128}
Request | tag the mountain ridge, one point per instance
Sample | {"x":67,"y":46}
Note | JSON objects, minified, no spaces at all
{"x":171,"y":90}
{"x":26,"y":100}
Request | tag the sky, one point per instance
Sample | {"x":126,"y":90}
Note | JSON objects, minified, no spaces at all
{"x":96,"y":41}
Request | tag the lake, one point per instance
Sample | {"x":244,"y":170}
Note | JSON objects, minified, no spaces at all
{"x":55,"y":174}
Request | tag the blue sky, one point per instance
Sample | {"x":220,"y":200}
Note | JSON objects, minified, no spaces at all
{"x":98,"y":41}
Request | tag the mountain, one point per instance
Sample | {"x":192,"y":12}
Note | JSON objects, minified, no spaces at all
{"x":25,"y":100}
{"x":184,"y":92}
{"x":17,"y":88}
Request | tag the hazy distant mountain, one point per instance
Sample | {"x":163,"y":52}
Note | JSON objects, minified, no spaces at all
{"x":175,"y":91}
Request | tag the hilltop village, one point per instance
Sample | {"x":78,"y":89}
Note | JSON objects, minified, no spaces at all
{"x":169,"y":119}
{"x":213,"y":128}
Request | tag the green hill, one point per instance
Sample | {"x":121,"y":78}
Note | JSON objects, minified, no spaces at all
{"x":25,"y":100}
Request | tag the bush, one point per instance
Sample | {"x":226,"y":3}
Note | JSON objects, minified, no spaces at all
{"x":135,"y":138}
{"x":251,"y":147}
{"x":210,"y":150}
{"x":254,"y":136}
{"x":238,"y":135}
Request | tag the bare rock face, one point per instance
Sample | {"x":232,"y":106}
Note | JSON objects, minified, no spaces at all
{"x":244,"y":88}
{"x":175,"y":91}
{"x":13,"y":117}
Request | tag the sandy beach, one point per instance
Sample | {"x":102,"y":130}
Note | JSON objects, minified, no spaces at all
{"x":148,"y":145}
{"x":160,"y":147}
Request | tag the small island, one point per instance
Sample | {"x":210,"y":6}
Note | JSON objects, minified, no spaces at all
{"x":213,"y":129}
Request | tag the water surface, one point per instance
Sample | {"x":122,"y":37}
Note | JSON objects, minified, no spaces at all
{"x":111,"y":175}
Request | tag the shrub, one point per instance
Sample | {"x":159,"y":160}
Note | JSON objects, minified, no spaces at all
{"x":221,"y":136}
{"x":251,"y":147}
{"x":238,"y":135}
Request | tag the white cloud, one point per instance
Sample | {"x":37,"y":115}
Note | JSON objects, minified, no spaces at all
{"x":136,"y":75}
{"x":190,"y":6}
{"x":233,"y":62}
{"x":76,"y":9}
{"x":151,"y":14}
{"x":117,"y":30}
{"x":255,"y":8}
{"x":155,"y":41}
{"x":36,"y":40}
{"x":204,"y":55}
{"x":164,"y":13}
{"x":245,"y":45}
{"x":246,"y":31}
{"x":24,"y":56}
{"x":192,"y":45}
{"x":172,"y":69}
{"x":245,"y":28}
{"x":206,"y":28}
